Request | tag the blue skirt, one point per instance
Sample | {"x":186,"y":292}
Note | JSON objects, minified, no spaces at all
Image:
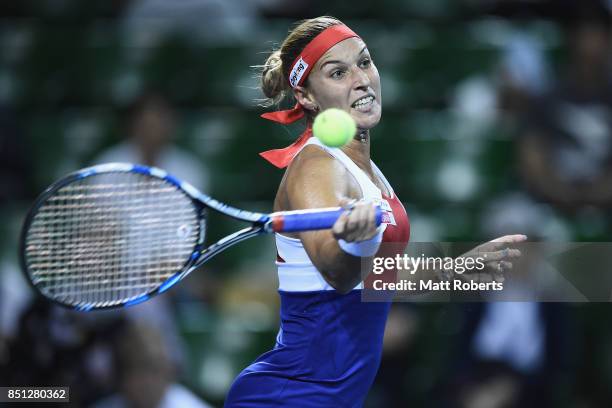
{"x":327,"y":354}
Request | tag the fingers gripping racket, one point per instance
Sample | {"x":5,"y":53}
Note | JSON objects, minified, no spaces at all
{"x":118,"y":234}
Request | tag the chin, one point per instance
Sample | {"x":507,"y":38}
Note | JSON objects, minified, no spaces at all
{"x":367,"y":120}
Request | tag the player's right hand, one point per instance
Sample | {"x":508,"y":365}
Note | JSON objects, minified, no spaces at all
{"x":358,"y":223}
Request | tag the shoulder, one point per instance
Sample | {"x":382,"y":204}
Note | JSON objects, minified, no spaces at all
{"x":180,"y":396}
{"x":112,"y":401}
{"x":315,"y":179}
{"x":179,"y":154}
{"x":119,"y":152}
{"x":315,"y":167}
{"x":313,"y":158}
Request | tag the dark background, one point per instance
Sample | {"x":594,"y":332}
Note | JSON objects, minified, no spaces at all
{"x":497,"y":119}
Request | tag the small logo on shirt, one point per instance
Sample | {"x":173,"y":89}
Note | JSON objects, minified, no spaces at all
{"x":388,"y":218}
{"x":387,"y":215}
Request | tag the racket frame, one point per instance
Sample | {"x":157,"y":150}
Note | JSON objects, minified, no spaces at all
{"x":260,"y":224}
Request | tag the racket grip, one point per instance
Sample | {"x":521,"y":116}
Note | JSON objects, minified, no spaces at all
{"x":310,"y":220}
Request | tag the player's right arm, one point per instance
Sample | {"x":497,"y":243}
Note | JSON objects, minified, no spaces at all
{"x":316,"y":180}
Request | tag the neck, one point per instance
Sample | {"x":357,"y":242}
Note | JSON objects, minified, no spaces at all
{"x":358,"y":149}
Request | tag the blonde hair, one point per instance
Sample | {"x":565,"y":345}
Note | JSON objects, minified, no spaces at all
{"x":275,"y":71}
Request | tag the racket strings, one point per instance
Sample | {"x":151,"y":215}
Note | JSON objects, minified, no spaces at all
{"x":109,"y":238}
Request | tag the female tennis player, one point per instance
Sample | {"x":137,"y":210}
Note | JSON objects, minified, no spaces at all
{"x":329,"y":344}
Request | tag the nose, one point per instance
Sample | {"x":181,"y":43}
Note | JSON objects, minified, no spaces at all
{"x":361,"y":79}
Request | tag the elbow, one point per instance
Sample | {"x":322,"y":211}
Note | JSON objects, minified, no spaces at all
{"x":342,"y":274}
{"x":341,"y":283}
{"x":342,"y":289}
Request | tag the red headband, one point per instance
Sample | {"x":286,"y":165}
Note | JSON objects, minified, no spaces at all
{"x":315,"y":49}
{"x":300,"y":69}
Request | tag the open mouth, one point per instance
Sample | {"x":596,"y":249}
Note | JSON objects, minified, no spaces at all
{"x":363,"y":103}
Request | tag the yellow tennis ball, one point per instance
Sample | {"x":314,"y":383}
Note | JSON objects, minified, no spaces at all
{"x":334,"y":127}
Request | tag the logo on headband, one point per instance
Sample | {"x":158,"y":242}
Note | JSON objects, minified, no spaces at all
{"x":297,"y":72}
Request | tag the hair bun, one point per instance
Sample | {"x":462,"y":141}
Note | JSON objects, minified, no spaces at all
{"x":272,"y":81}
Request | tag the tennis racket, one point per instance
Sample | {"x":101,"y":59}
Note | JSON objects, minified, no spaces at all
{"x":118,"y":234}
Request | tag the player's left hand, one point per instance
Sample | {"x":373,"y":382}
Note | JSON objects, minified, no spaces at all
{"x":497,"y":256}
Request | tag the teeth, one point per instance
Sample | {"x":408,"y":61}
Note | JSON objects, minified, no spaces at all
{"x":363,"y":101}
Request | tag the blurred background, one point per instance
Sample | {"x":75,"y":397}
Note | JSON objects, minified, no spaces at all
{"x":497,"y":118}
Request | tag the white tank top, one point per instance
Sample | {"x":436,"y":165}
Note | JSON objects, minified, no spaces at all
{"x":297,"y":273}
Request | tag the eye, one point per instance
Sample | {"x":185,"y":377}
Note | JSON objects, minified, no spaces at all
{"x":365,"y":63}
{"x":338,"y":73}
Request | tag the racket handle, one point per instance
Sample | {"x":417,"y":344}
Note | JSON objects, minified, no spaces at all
{"x":310,"y":220}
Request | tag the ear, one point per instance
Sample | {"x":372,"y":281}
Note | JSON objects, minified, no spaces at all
{"x":305,"y":98}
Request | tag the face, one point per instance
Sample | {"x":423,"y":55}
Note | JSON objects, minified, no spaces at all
{"x":154,"y":125}
{"x":591,"y":45}
{"x":346,"y":78}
